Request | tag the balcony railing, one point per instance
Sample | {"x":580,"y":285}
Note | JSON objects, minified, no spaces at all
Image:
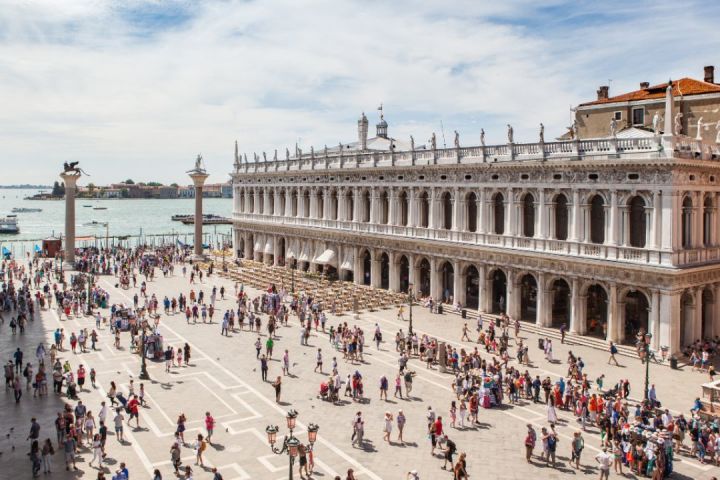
{"x":632,"y":255}
{"x":617,"y":148}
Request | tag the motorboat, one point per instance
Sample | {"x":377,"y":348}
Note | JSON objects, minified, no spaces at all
{"x":8,"y":224}
{"x":26,"y":210}
{"x":99,"y":208}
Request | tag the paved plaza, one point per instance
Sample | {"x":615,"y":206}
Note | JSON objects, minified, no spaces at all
{"x":224,"y":378}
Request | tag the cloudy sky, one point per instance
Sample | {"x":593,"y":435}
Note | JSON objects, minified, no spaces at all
{"x":137,"y":88}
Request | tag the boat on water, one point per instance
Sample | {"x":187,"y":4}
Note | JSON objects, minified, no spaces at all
{"x":209,"y":219}
{"x":26,"y":210}
{"x":8,"y":224}
{"x":87,"y":206}
{"x":99,"y":208}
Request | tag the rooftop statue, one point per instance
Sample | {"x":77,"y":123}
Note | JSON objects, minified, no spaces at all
{"x":433,"y":142}
{"x":412,"y":144}
{"x":275,"y":156}
{"x":457,"y":139}
{"x":542,"y":133}
{"x":613,"y":127}
{"x":510,"y":133}
{"x":287,"y":153}
{"x":264,"y":157}
{"x":482,"y":137}
{"x":678,"y":123}
{"x":657,"y":119}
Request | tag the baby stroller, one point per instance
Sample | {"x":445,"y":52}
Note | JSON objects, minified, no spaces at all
{"x":328,"y":392}
{"x":71,"y":390}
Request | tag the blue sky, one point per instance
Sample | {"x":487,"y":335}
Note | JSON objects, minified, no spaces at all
{"x":138,"y":88}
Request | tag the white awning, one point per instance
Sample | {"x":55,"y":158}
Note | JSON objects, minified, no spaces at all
{"x":269,"y":246}
{"x":319,"y":250}
{"x":258,"y":245}
{"x":348,"y":262}
{"x":328,"y":257}
{"x":306,"y":253}
{"x":291,"y":252}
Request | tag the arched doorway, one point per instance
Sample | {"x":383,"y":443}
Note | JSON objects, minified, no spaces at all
{"x":404,"y":265}
{"x":384,"y":208}
{"x":561,"y":217}
{"x":597,"y":219}
{"x":320,"y":202}
{"x":261,"y":201}
{"x":637,"y":223}
{"x":499,"y":291}
{"x":251,"y":202}
{"x":424,"y":210}
{"x":596,"y":311}
{"x":498,"y":214}
{"x":294,"y":203}
{"x":528,"y":215}
{"x":687,"y":309}
{"x":306,"y":204}
{"x":446,"y":202}
{"x":637,"y":309}
{"x":403,"y":205}
{"x":366,"y":267}
{"x":281,"y":251}
{"x":708,"y":212}
{"x":708,"y":300}
{"x":240,"y":250}
{"x":472,"y":287}
{"x":560,"y":304}
{"x":281,"y":207}
{"x":334,"y":214}
{"x":384,"y":271}
{"x":528,"y":298}
{"x":350,"y":206}
{"x":471,"y":211}
{"x":447,"y":278}
{"x":424,"y":270}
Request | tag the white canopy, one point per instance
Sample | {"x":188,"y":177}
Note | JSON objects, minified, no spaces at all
{"x":327,"y":257}
{"x":291,"y":253}
{"x":258,"y":245}
{"x":348,"y":262}
{"x":306,"y":253}
{"x":269,"y":246}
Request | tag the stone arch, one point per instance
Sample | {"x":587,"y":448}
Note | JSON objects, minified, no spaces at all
{"x":281,"y":250}
{"x":424,"y":274}
{"x":528,"y":215}
{"x":637,"y":221}
{"x":471,"y":207}
{"x":403,"y":210}
{"x":687,"y":311}
{"x":366,"y":266}
{"x":447,"y":281}
{"x":306,"y":203}
{"x":383,"y":210}
{"x":561,"y":216}
{"x":251,"y":200}
{"x":708,"y":301}
{"x":446,"y":207}
{"x":424,"y":213}
{"x":528,"y":296}
{"x":708,"y":213}
{"x":294,"y":203}
{"x":596,"y":310}
{"x":472,"y":287}
{"x":261,"y":201}
{"x":365,"y":204}
{"x":636,"y":315}
{"x":597,"y":218}
{"x":687,"y":225}
{"x":282,"y":202}
{"x":319,"y":203}
{"x":404,"y":271}
{"x":560,"y":302}
{"x":498,"y":213}
{"x":350,"y":206}
{"x":498,"y":290}
{"x":334,"y":214}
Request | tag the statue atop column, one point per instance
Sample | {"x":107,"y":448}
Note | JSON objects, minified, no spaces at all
{"x":199,"y":165}
{"x":678,"y":123}
{"x":72,"y":168}
{"x":510,"y":133}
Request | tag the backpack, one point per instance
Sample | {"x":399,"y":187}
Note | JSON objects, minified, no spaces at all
{"x":552,"y":443}
{"x":613,"y":350}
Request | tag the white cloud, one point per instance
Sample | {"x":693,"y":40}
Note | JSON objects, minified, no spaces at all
{"x":128,"y":92}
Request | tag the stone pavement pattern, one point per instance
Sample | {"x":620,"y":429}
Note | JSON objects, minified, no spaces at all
{"x":224,"y":378}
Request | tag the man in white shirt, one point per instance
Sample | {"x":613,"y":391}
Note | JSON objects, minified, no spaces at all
{"x":605,"y":461}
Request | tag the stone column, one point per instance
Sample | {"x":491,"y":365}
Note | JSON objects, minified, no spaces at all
{"x":612,"y":315}
{"x":482,"y":289}
{"x":670,"y":320}
{"x":697,"y":315}
{"x":541,"y":314}
{"x":70,"y":180}
{"x":412,"y":209}
{"x":356,"y":205}
{"x":541,"y":227}
{"x":412,"y":273}
{"x":458,"y":283}
{"x":575,"y":230}
{"x":656,"y":229}
{"x":198,"y":178}
{"x":432,"y":210}
{"x":575,"y":306}
{"x":481,"y":214}
{"x":510,"y":213}
{"x":457,"y":211}
{"x":394,"y":272}
{"x":670,"y":223}
{"x":435,"y":286}
{"x":654,"y":327}
{"x":512,"y":292}
{"x":612,"y":237}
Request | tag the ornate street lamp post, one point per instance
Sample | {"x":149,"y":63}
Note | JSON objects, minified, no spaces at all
{"x":646,"y":340}
{"x":410,"y":304}
{"x":290,"y":443}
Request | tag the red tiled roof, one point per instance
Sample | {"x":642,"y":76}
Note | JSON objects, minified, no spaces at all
{"x":684,"y":86}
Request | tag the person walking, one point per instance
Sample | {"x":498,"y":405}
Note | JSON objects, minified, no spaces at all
{"x":578,"y":443}
{"x":387,"y":427}
{"x":604,"y":460}
{"x":530,"y":439}
{"x":47,"y":452}
{"x":263,"y":368}
{"x":200,"y":446}
{"x":209,"y":426}
{"x":277,"y":385}
{"x":613,"y":351}
{"x":400,"y":419}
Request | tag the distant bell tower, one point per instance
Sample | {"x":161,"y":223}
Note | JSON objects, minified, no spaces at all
{"x":363,"y":131}
{"x":382,"y":126}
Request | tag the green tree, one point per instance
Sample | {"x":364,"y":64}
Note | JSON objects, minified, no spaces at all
{"x":174,"y":185}
{"x":129,"y":181}
{"x":154,"y":184}
{"x":56,"y":189}
{"x":124,"y":193}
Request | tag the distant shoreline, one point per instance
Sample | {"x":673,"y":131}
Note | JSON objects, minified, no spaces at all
{"x":24,"y":187}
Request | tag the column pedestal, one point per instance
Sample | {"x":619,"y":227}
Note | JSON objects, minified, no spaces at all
{"x":198,"y":178}
{"x":70,"y":180}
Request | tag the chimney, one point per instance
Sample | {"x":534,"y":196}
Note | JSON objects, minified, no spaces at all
{"x":603,"y":92}
{"x":710,"y":74}
{"x":644,"y":85}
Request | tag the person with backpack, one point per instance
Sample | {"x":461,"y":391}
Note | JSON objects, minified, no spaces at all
{"x":200,"y":446}
{"x":613,"y":351}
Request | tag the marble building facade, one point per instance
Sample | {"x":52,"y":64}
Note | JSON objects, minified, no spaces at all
{"x":608,"y":236}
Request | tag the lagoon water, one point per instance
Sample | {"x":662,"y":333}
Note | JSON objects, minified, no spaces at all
{"x":125,"y":217}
